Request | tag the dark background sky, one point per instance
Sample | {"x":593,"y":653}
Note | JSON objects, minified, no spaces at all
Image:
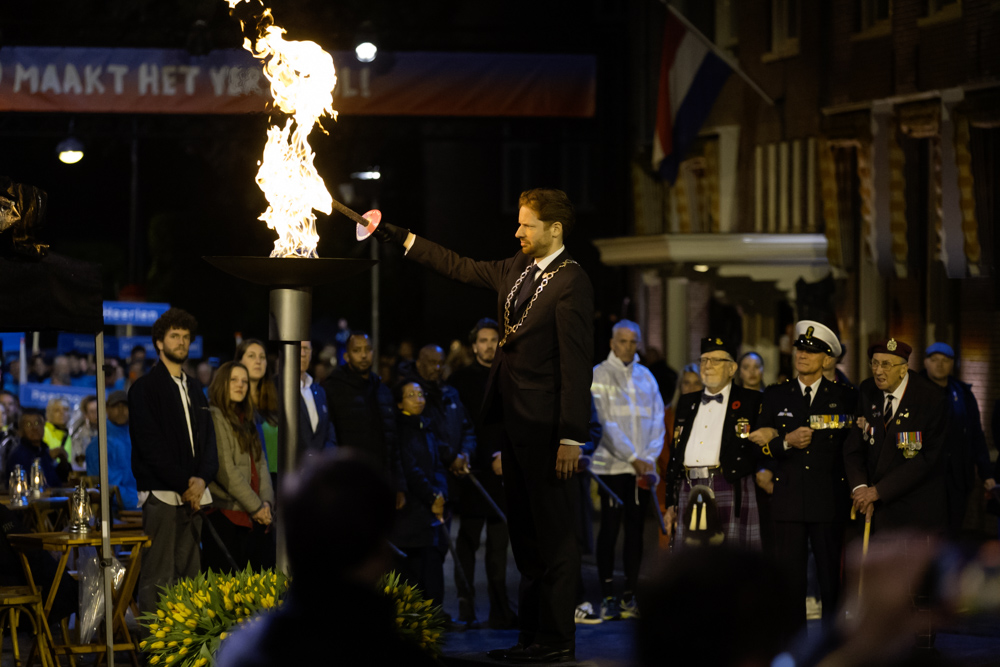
{"x":448,"y":178}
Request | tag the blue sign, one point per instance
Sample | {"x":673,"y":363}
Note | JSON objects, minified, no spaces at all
{"x":122,"y":347}
{"x":11,"y":343}
{"x":138,"y":314}
{"x":34,"y":395}
{"x":82,"y":343}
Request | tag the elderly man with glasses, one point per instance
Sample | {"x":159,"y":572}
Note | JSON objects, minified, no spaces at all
{"x":893,"y":453}
{"x":712,"y":448}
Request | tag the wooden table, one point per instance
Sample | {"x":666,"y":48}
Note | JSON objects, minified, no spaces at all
{"x":46,"y":513}
{"x":65,"y":543}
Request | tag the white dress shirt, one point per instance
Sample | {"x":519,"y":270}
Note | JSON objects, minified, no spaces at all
{"x":307,"y":397}
{"x":705,"y":441}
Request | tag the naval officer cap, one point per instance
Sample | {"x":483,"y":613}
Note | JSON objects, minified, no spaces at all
{"x":891,"y":346}
{"x":815,"y":337}
{"x":713,"y":343}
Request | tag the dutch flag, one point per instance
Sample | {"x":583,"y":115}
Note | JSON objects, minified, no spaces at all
{"x":691,"y":76}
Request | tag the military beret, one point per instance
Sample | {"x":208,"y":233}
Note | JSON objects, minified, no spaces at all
{"x":891,"y":346}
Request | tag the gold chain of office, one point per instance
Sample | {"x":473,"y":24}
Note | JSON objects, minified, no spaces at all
{"x":546,"y":277}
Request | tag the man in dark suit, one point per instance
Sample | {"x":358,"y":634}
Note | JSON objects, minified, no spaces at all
{"x":539,"y":388}
{"x":803,"y":423}
{"x":315,"y":430}
{"x":893,"y":454}
{"x":173,"y":458}
{"x":712,"y":448}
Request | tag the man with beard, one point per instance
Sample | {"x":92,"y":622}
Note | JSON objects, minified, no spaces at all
{"x":173,"y":458}
{"x":470,"y":382}
{"x":538,"y":389}
{"x":362,"y":410}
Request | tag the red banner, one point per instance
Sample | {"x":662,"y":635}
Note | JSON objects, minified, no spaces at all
{"x":232,"y":81}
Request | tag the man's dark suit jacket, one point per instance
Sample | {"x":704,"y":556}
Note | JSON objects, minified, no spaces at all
{"x":161,"y":451}
{"x":324,"y":436}
{"x":911,"y":491}
{"x":738,"y":457}
{"x":544,"y":371}
{"x":809,"y":484}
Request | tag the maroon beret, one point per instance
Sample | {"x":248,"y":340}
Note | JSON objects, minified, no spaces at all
{"x":891,"y":346}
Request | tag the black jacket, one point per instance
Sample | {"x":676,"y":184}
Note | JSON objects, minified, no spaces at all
{"x":539,"y":384}
{"x":738,"y":457}
{"x":363,"y":415}
{"x":161,"y":451}
{"x":911,"y":490}
{"x":419,"y":453}
{"x":965,"y":447}
{"x":809,"y":484}
{"x":447,"y":415}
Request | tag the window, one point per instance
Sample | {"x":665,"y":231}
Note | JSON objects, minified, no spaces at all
{"x":937,"y":11}
{"x":726,"y":35}
{"x":784,"y":29}
{"x":873,"y":14}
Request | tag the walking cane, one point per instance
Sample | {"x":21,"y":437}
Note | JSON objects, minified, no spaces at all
{"x":396,"y":550}
{"x":218,"y":541}
{"x":864,"y":545}
{"x":488,"y":497}
{"x":605,"y":487}
{"x":454,"y":556}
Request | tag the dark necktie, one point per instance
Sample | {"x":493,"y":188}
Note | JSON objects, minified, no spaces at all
{"x":708,"y":398}
{"x":808,"y":394}
{"x":527,"y":287}
{"x":888,"y":411}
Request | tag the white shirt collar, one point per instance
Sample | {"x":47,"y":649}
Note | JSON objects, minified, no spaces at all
{"x":306,"y":382}
{"x":544,"y":262}
{"x":725,"y":393}
{"x":814,"y":385}
{"x":900,"y":390}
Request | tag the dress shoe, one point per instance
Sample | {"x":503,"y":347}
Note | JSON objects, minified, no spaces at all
{"x":506,"y":654}
{"x":537,"y":654}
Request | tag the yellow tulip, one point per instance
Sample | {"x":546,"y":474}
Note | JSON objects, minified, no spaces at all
{"x":156,"y":645}
{"x":187,"y":641}
{"x":159,"y":612}
{"x":192,"y":623}
{"x":223,"y":635}
{"x":155,"y":659}
{"x":182,"y":651}
{"x":172,"y":644}
{"x":161,"y":633}
{"x":154,"y":626}
{"x":170,"y":658}
{"x":211,"y":614}
{"x":142,"y":644}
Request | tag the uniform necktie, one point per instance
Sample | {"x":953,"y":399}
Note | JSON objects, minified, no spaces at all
{"x":888,"y":411}
{"x":808,"y":394}
{"x":708,"y":398}
{"x":527,"y":287}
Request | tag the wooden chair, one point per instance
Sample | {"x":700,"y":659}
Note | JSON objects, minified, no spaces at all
{"x":16,"y":601}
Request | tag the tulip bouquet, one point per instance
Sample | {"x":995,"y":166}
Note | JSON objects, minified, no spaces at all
{"x":195,"y":615}
{"x":416,"y":619}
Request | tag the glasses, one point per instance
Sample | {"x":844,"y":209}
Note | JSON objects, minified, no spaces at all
{"x":411,"y":394}
{"x":709,"y":361}
{"x":885,"y":365}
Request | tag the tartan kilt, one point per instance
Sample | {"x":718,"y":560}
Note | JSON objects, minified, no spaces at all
{"x":742,"y":531}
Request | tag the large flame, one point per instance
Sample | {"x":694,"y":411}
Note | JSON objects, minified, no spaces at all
{"x":302,"y":80}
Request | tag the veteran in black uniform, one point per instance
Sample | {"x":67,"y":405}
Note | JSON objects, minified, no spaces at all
{"x":712,"y":448}
{"x":803,"y":423}
{"x":893,"y":455}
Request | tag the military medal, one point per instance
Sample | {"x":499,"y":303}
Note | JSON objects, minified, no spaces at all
{"x":743,"y":428}
{"x":910,"y":442}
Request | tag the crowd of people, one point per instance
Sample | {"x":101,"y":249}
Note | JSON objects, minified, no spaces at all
{"x":506,"y":434}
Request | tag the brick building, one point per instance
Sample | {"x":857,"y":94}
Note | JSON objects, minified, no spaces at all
{"x":861,"y":193}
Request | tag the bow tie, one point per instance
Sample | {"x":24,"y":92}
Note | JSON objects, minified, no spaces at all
{"x":708,"y":398}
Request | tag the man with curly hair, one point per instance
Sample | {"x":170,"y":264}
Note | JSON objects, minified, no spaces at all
{"x":173,"y":458}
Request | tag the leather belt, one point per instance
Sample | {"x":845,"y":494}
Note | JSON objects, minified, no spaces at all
{"x":704,"y":472}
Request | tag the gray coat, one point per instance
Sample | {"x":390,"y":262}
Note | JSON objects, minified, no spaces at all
{"x":231,"y":486}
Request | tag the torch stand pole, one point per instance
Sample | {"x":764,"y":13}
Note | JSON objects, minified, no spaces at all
{"x":290,"y":314}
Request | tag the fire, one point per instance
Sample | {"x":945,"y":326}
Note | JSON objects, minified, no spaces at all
{"x":302,"y":79}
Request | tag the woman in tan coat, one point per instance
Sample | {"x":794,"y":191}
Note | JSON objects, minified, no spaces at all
{"x":242,"y":494}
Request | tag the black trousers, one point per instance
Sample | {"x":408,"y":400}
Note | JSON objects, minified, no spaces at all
{"x":542,"y":513}
{"x":424,"y":567}
{"x":470,"y":532}
{"x":248,"y":546}
{"x":633,"y":515}
{"x":175,"y":531}
{"x":791,"y":545}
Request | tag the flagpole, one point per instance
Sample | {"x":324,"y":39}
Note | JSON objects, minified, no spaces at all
{"x":728,"y":59}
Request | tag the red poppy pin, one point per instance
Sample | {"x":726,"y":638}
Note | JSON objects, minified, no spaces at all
{"x":736,"y":405}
